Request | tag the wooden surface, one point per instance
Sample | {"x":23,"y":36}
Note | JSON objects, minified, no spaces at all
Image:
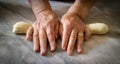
{"x":99,"y":49}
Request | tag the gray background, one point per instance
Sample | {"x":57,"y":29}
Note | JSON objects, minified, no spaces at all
{"x":99,"y":49}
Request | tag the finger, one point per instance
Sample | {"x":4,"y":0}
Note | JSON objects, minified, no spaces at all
{"x":72,"y":41}
{"x":65,"y":37}
{"x":56,"y":30}
{"x":87,"y":33}
{"x":36,"y":41}
{"x":60,"y":30}
{"x":29,"y":33}
{"x":43,"y":41}
{"x":79,"y":43}
{"x":51,"y":38}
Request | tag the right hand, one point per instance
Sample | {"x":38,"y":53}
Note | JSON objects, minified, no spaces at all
{"x":72,"y":30}
{"x":45,"y":27}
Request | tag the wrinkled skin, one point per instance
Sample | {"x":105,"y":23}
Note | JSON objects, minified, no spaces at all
{"x":45,"y":27}
{"x":71,"y":26}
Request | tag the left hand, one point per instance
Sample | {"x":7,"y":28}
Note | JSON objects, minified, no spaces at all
{"x":72,"y":29}
{"x":44,"y":28}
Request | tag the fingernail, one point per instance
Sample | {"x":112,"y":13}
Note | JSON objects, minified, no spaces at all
{"x":27,"y":38}
{"x":36,"y":50}
{"x":69,"y":53}
{"x":52,"y":48}
{"x":79,"y":50}
{"x":43,"y":52}
{"x":64,"y":48}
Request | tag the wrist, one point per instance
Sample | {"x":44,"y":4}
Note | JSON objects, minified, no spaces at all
{"x":82,"y":12}
{"x":81,"y":7}
{"x":40,"y":12}
{"x":46,"y":14}
{"x":39,"y":5}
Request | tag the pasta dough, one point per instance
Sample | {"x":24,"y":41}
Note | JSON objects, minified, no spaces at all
{"x":21,"y":27}
{"x":98,"y":28}
{"x":95,"y":28}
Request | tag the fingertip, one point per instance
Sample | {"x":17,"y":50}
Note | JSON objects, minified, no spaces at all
{"x":87,"y":33}
{"x":27,"y":38}
{"x":43,"y":52}
{"x":63,"y":48}
{"x":29,"y":33}
{"x":69,"y":52}
{"x":79,"y":51}
{"x":36,"y":49}
{"x":53,"y":48}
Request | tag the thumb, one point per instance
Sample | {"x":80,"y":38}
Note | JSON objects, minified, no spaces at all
{"x":87,"y":33}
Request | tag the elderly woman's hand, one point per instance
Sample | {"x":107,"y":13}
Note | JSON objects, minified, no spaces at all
{"x":45,"y":27}
{"x":73,"y":32}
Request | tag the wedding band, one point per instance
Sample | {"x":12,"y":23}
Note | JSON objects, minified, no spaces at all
{"x":80,"y":34}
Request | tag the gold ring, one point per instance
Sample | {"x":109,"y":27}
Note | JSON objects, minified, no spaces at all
{"x":80,"y":34}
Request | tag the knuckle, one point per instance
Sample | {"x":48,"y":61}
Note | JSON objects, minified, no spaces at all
{"x":65,"y":35}
{"x":51,"y":37}
{"x":51,"y":17}
{"x":70,"y":48}
{"x":34,"y":24}
{"x":80,"y":37}
{"x":49,"y":25}
{"x":49,"y":33}
{"x":52,"y":44}
{"x":42,"y":37}
{"x":78,"y":46}
{"x":30,"y":27}
{"x":73,"y":37}
{"x":67,"y":21}
{"x":28,"y":33}
{"x":35,"y":34}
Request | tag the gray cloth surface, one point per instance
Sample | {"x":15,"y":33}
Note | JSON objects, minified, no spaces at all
{"x":99,"y":49}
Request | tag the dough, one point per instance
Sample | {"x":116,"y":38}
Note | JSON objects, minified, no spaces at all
{"x":95,"y":28}
{"x":98,"y":28}
{"x":21,"y":27}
